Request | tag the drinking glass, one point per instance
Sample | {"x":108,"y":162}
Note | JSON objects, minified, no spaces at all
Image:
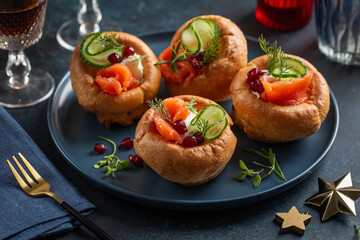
{"x":21,"y":26}
{"x":283,"y":15}
{"x":338,"y":30}
{"x":89,"y":20}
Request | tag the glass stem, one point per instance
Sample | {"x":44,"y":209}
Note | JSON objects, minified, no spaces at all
{"x":18,"y":68}
{"x":89,"y":16}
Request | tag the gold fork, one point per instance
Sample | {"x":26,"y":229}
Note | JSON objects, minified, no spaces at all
{"x":42,"y":188}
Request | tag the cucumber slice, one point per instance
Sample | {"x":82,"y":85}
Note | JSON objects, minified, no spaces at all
{"x":204,"y":30}
{"x":216,"y":129}
{"x":289,"y":73}
{"x":297,"y":69}
{"x":190,"y":40}
{"x":215,"y":117}
{"x":196,"y":36}
{"x":95,"y":54}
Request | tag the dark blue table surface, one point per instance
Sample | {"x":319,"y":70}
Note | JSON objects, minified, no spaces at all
{"x":127,"y":220}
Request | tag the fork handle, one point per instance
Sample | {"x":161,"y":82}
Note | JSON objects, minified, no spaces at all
{"x":86,"y":222}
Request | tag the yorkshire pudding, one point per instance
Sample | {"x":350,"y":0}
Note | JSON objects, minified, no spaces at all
{"x":214,"y":82}
{"x":179,"y":164}
{"x":128,"y":105}
{"x":265,"y":121}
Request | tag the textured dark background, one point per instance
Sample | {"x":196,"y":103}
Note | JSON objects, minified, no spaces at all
{"x":126,"y":220}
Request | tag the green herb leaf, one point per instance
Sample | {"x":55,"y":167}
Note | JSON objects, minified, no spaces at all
{"x":357,"y":230}
{"x":274,"y":167}
{"x":242,"y":165}
{"x":256,"y":180}
{"x":241,"y":175}
{"x":111,"y":163}
{"x":275,"y":56}
{"x":213,"y":50}
{"x":191,"y":104}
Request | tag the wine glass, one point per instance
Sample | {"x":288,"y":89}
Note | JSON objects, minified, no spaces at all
{"x":89,"y":20}
{"x":21,"y":26}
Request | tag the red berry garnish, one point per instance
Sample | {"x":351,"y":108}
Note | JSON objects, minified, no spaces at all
{"x":190,"y":141}
{"x":254,"y":74}
{"x":180,"y":126}
{"x":136,"y":160}
{"x":200,"y":56}
{"x":257,"y":86}
{"x":128,"y":51}
{"x":127,"y":143}
{"x":199,"y":138}
{"x":100,"y":148}
{"x":114,"y":58}
{"x":195,"y":63}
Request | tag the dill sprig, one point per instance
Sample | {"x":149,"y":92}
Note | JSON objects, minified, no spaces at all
{"x":213,"y":50}
{"x":191,"y":104}
{"x":203,"y":125}
{"x":161,"y":109}
{"x":276,"y":56}
{"x":108,"y":41}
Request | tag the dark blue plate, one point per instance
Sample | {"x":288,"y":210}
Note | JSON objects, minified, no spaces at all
{"x":75,"y":131}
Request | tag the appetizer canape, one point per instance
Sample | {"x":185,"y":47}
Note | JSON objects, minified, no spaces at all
{"x":113,"y":75}
{"x":203,"y":57}
{"x":279,"y":97}
{"x":185,"y":139}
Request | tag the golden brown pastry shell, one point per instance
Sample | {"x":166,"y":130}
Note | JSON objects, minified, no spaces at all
{"x":179,"y":164}
{"x":214,"y":82}
{"x":269,"y":122}
{"x":128,"y":105}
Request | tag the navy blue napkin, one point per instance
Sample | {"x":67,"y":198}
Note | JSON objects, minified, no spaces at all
{"x":22,"y":216}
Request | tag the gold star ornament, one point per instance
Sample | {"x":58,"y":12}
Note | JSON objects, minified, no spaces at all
{"x":334,"y":197}
{"x":293,"y":221}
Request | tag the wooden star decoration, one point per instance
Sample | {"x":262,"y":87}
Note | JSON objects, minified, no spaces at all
{"x":334,"y":197}
{"x":293,"y":221}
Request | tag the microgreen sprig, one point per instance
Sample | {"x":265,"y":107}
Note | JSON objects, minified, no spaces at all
{"x":161,"y":109}
{"x":111,"y":163}
{"x":276,"y":56}
{"x":191,"y":104}
{"x":357,"y":230}
{"x":274,"y":166}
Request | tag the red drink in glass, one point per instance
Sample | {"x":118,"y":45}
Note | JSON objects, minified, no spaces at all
{"x":283,"y":15}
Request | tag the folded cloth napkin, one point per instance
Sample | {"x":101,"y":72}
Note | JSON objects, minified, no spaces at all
{"x":22,"y":216}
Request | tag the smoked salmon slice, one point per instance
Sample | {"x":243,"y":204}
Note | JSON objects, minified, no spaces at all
{"x":185,"y":71}
{"x":114,"y":79}
{"x":166,"y":130}
{"x":177,"y":109}
{"x":286,"y":92}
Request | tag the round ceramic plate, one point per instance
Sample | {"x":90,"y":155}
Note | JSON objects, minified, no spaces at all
{"x":75,"y":132}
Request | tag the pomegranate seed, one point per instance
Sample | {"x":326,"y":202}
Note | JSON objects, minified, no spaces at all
{"x":128,"y":52}
{"x":195,"y":63}
{"x":127,"y":143}
{"x":100,"y":148}
{"x":114,"y":58}
{"x":257,"y":86}
{"x":136,"y":160}
{"x":190,"y":141}
{"x":199,"y":138}
{"x":200,"y":56}
{"x":180,"y":126}
{"x":254,"y":74}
